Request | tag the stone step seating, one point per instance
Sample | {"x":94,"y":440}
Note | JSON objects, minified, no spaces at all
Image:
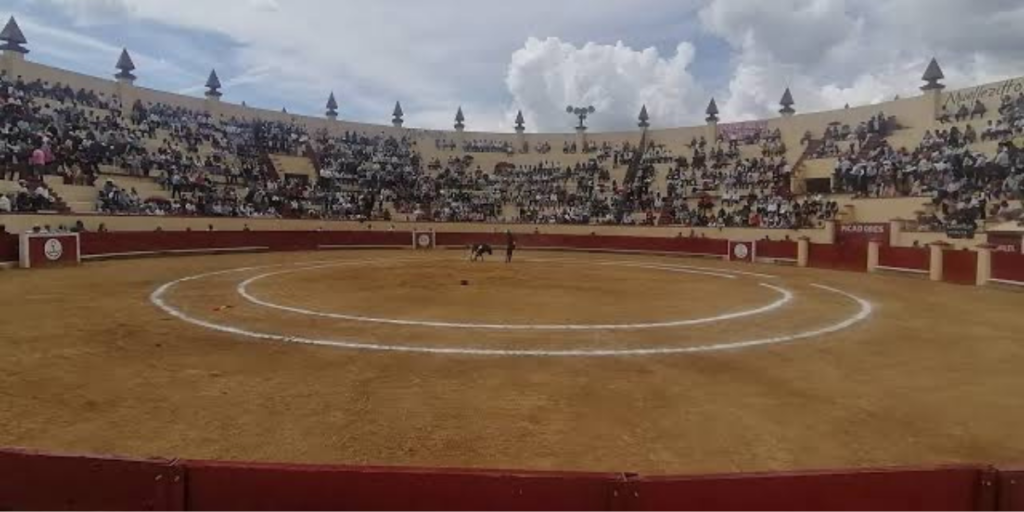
{"x":7,"y":187}
{"x":818,"y":168}
{"x":301,"y":165}
{"x":661,"y":176}
{"x":59,"y":204}
{"x":883,"y":209}
{"x":146,"y":187}
{"x":80,"y":199}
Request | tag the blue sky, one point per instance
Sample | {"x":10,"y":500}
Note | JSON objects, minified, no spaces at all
{"x":493,"y":57}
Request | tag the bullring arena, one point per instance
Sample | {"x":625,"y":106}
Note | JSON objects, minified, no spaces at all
{"x":635,"y":356}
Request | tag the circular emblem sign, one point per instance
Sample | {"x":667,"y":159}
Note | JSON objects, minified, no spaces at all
{"x":423,"y":240}
{"x":53,"y":249}
{"x":740,"y":251}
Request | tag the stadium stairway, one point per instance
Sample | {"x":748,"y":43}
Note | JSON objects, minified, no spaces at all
{"x":79,"y":199}
{"x":146,"y":187}
{"x":295,"y":165}
{"x":59,"y":204}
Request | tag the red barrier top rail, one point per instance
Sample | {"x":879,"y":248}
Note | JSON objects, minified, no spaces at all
{"x":32,"y":480}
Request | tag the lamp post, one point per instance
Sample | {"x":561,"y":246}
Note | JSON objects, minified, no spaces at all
{"x":581,"y":131}
{"x":582,"y":113}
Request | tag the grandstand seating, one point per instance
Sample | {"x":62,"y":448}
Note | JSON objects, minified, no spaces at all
{"x":174,"y":155}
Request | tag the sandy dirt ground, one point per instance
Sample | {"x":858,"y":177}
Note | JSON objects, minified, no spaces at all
{"x":89,"y":364}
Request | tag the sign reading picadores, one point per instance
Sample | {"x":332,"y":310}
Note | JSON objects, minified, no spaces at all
{"x":864,"y":233}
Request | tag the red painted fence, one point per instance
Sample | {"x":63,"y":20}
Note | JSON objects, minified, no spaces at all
{"x":1008,"y":267}
{"x":959,"y":488}
{"x":693,"y":246}
{"x":908,"y":258}
{"x":780,"y":250}
{"x":162,"y":242}
{"x":848,"y":257}
{"x":1011,"y":489}
{"x":220,"y":486}
{"x":960,"y":267}
{"x":32,"y":481}
{"x":8,"y":248}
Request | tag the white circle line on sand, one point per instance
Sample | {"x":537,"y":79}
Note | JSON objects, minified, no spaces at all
{"x":785,"y":297}
{"x":865,"y":312}
{"x":712,"y":270}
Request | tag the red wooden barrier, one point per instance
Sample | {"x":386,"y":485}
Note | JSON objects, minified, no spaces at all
{"x":467,"y":239}
{"x":960,"y":267}
{"x":779,"y":250}
{"x":911,"y":258}
{"x":696,"y":246}
{"x":1008,"y":267}
{"x":849,"y":257}
{"x":1011,"y":489}
{"x":962,"y":488}
{"x":8,"y":248}
{"x":128,"y":243}
{"x":33,"y":481}
{"x":224,"y":486}
{"x":30,"y":480}
{"x":822,"y":256}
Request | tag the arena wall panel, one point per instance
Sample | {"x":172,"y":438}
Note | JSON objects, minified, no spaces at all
{"x":853,"y":258}
{"x":33,"y":71}
{"x":35,"y":481}
{"x":958,"y":488}
{"x":225,"y":486}
{"x":8,"y":248}
{"x":695,"y":246}
{"x":117,"y":223}
{"x":908,"y":258}
{"x":128,"y":244}
{"x":1008,"y":267}
{"x":1011,"y":489}
{"x":779,"y":250}
{"x":960,"y":267}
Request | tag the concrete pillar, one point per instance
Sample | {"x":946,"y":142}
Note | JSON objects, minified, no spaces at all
{"x":581,"y":138}
{"x":895,"y":232}
{"x":936,"y":261}
{"x":984,"y":264}
{"x":803,"y":252}
{"x":932,"y":100}
{"x":11,"y":62}
{"x":126,"y":92}
{"x":712,"y":133}
{"x":460,"y":137}
{"x":873,"y":249}
{"x":521,"y":146}
{"x":830,"y":232}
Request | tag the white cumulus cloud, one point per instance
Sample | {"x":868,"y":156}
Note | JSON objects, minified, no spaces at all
{"x":545,"y":76}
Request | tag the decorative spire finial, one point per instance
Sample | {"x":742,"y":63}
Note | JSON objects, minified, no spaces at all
{"x":712,"y":112}
{"x":460,"y":120}
{"x":397,"y":115}
{"x":644,"y":118}
{"x":332,"y":107}
{"x":787,"y":103}
{"x":213,"y":85}
{"x":125,"y":66}
{"x":932,"y":75}
{"x":13,"y":38}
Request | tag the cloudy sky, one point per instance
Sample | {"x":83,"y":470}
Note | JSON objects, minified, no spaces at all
{"x":494,"y":57}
